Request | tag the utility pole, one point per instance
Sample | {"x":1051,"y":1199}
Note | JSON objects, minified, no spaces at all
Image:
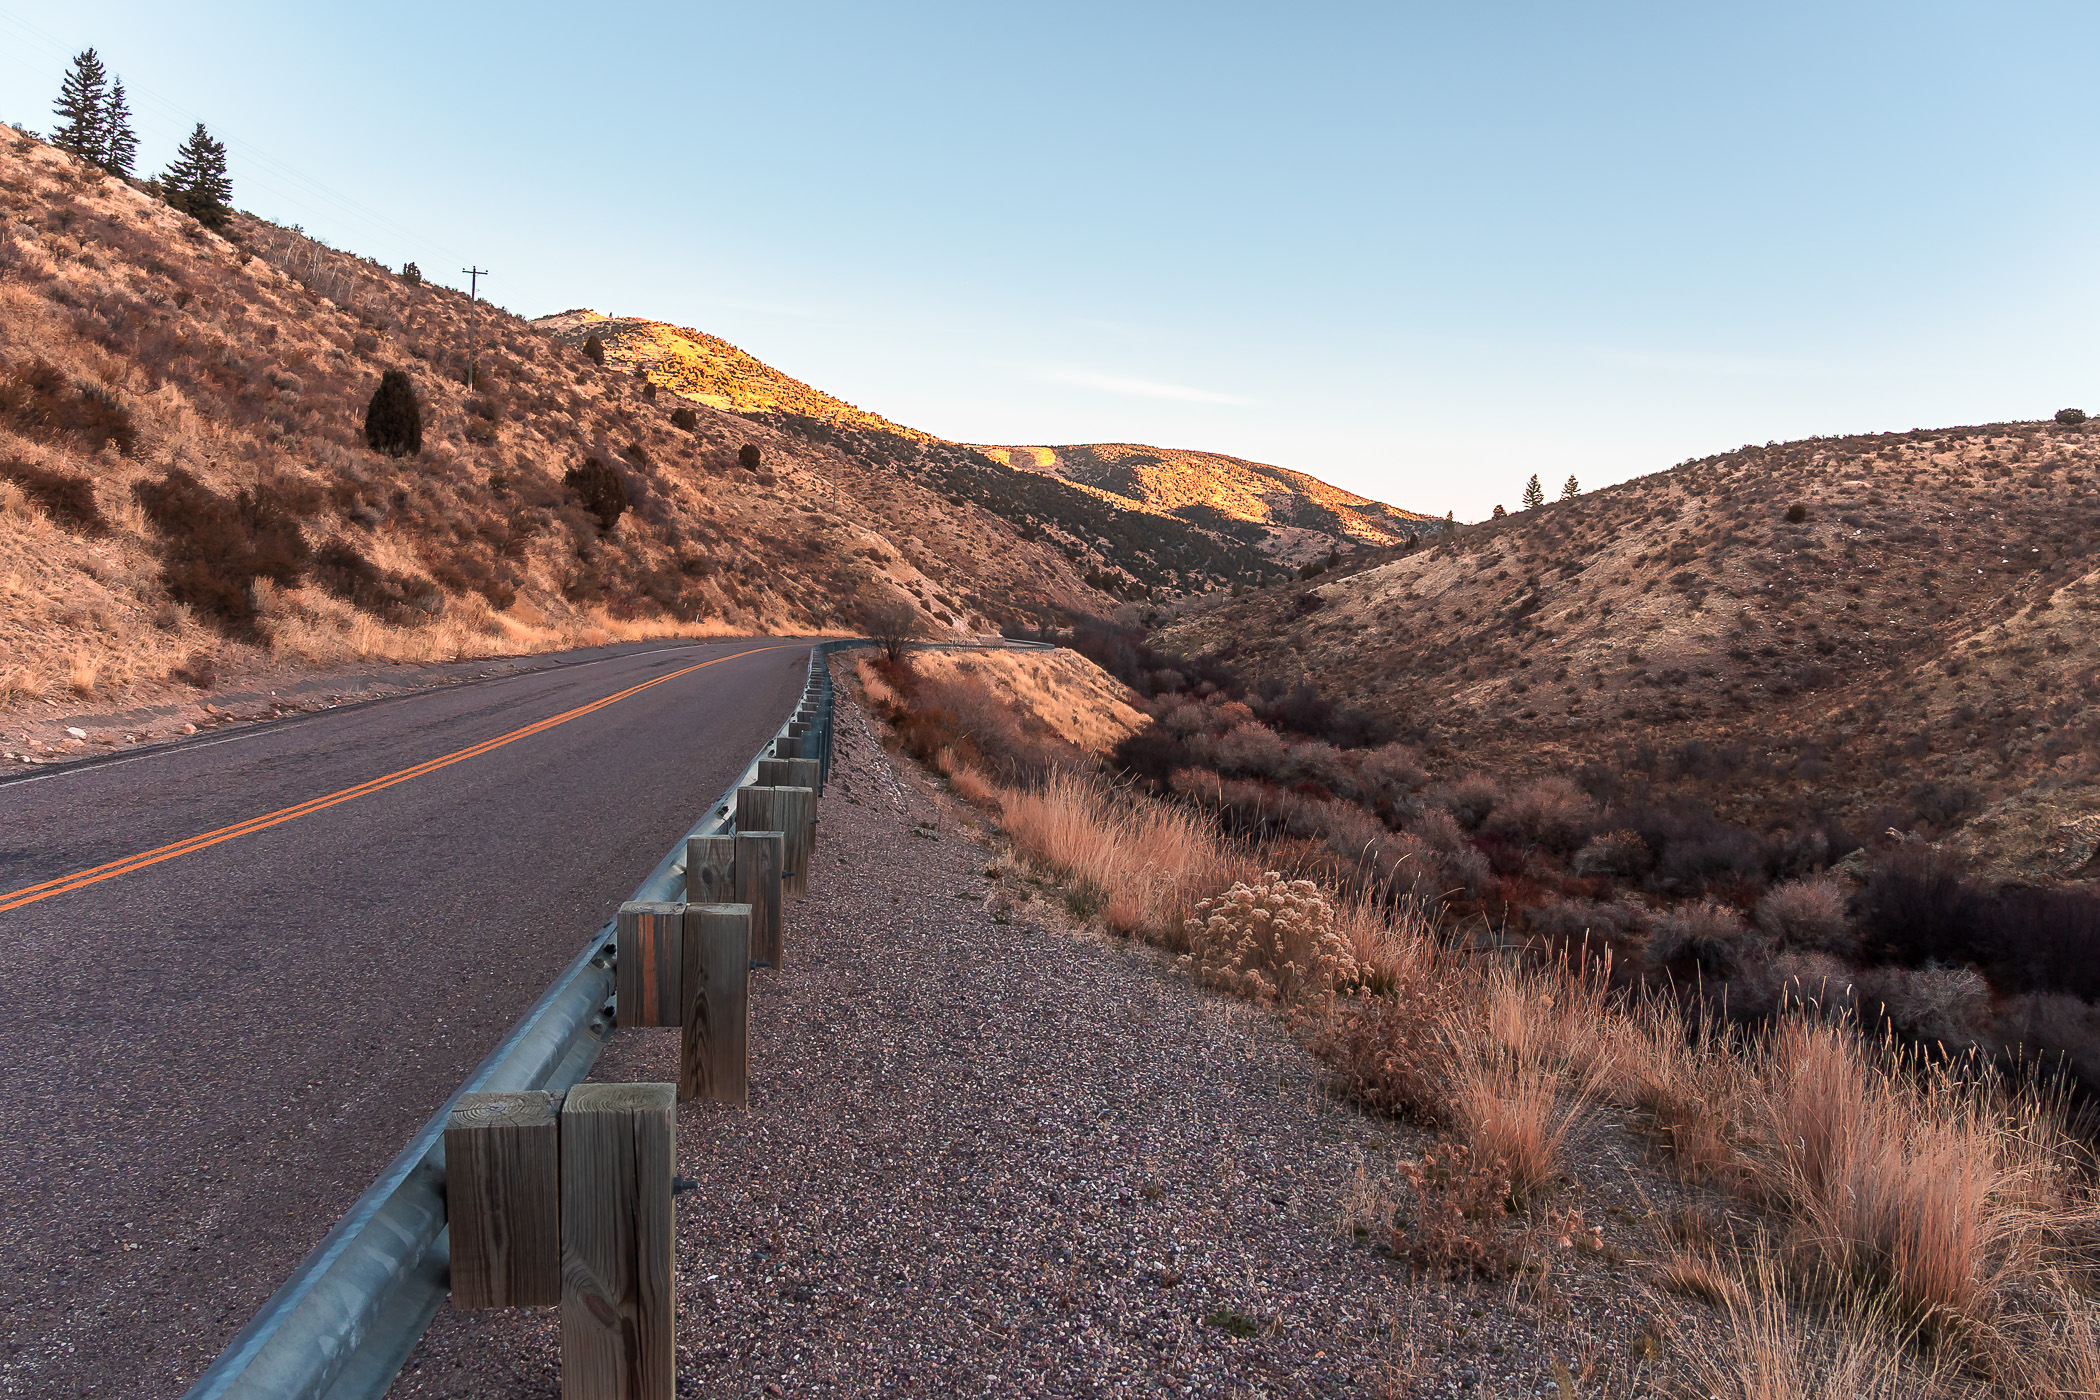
{"x":474,"y":276}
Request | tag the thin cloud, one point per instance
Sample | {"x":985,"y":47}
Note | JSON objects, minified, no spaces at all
{"x":1136,"y":388}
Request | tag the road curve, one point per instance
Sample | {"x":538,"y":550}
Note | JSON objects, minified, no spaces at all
{"x":210,"y":1047}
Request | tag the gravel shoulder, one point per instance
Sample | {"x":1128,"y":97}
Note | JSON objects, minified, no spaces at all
{"x":991,"y":1153}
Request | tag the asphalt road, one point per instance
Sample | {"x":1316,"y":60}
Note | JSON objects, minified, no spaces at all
{"x":204,"y":1060}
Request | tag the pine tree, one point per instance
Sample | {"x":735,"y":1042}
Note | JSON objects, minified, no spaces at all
{"x":394,"y":420}
{"x":195,"y":181}
{"x":83,"y":97}
{"x":1500,"y":512}
{"x":1571,"y":488}
{"x":120,"y":144}
{"x":1534,"y":494}
{"x":594,"y":349}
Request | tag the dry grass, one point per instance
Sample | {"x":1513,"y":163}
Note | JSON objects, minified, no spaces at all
{"x":1143,"y":863}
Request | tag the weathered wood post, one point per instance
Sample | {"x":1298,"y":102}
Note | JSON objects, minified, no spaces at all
{"x":618,"y":1313}
{"x":792,"y":772}
{"x":647,"y":977}
{"x":503,"y":1200}
{"x":787,"y":746}
{"x":789,"y":811}
{"x":798,"y":822}
{"x":713,"y":1059}
{"x":710,"y":863}
{"x":758,"y":859}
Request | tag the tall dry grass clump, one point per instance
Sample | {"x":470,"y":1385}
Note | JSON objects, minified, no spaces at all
{"x":1142,"y":863}
{"x":1941,"y":1189}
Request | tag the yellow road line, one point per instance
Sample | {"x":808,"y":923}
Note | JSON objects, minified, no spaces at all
{"x":30,"y":894}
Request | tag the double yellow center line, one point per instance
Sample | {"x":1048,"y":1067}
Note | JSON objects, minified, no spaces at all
{"x":30,"y":894}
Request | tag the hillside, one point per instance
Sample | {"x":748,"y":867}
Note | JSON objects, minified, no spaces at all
{"x":1890,"y":631}
{"x":1288,"y":515}
{"x":187,"y":497}
{"x":1167,"y":520}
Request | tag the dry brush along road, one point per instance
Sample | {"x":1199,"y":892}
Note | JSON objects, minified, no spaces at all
{"x":243,"y":970}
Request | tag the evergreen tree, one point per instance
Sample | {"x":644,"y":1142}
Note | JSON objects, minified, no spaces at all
{"x":83,"y":98}
{"x":594,"y":349}
{"x":394,"y":420}
{"x":195,"y":181}
{"x":1500,"y":512}
{"x":120,"y":144}
{"x":1534,"y":494}
{"x":1571,"y":488}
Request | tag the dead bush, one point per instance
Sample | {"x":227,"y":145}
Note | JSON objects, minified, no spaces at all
{"x":1806,"y":914}
{"x":1458,"y":1227}
{"x":1550,"y":812}
{"x":1470,"y":799}
{"x":1620,"y":853}
{"x":1272,"y":939}
{"x":1939,"y":1005}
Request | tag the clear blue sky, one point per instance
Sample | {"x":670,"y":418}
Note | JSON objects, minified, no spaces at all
{"x":1421,"y":251}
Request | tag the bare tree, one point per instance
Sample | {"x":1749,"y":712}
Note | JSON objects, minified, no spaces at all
{"x":892,"y":622}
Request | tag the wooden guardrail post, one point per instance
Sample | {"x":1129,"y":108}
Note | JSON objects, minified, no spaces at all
{"x":789,"y":811}
{"x":787,"y":746}
{"x":791,"y":772}
{"x":758,"y":859}
{"x":710,"y":865}
{"x":618,"y":1312}
{"x":648,"y":973}
{"x":713,"y":1059}
{"x":503,"y":1200}
{"x":798,"y":823}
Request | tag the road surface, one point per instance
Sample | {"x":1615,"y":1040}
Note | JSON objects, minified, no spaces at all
{"x":241,"y":971}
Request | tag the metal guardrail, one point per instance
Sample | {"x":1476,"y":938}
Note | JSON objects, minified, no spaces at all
{"x":346,"y":1320}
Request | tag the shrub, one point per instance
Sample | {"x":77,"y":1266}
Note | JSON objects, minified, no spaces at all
{"x":40,"y":401}
{"x":1806,"y":914}
{"x":1274,"y":938}
{"x":68,"y":500}
{"x":1620,"y":853}
{"x":1252,"y":749}
{"x":594,"y":349}
{"x":1938,"y":1005}
{"x":412,"y":274}
{"x":684,"y":417}
{"x":1550,"y":812}
{"x":216,"y":548}
{"x":1450,"y":863}
{"x":1470,"y":799}
{"x":599,"y":489}
{"x":2070,"y":417}
{"x":1796,"y":513}
{"x":748,"y":457}
{"x":1711,"y":938}
{"x":394,"y":419}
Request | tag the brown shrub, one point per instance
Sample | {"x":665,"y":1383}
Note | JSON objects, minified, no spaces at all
{"x":1470,"y":799}
{"x":68,"y":500}
{"x":1806,"y":914}
{"x":1620,"y":853}
{"x":215,"y":547}
{"x":1550,"y":812}
{"x":1461,"y":1205}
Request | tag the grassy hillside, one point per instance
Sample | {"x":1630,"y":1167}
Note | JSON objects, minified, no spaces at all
{"x":1899,"y":630}
{"x":1288,"y":515}
{"x":1140,"y":521}
{"x":186,"y":492}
